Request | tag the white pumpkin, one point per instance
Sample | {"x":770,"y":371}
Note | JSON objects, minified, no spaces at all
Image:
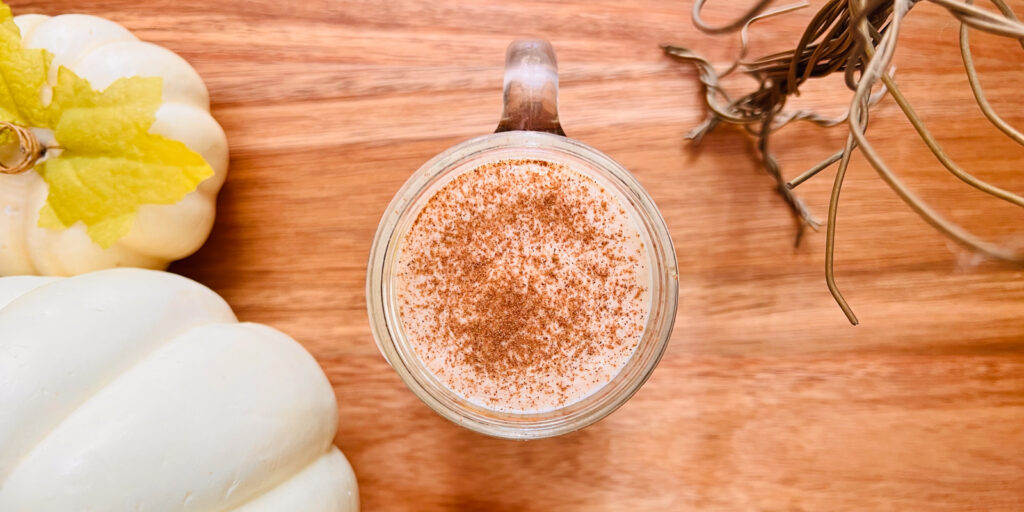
{"x":138,"y":390}
{"x":102,"y":51}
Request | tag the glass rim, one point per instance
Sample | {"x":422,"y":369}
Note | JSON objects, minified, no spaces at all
{"x":385,"y":322}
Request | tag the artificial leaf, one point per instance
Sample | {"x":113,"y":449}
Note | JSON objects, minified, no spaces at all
{"x":107,"y":164}
{"x":22,"y":76}
{"x":110,"y":164}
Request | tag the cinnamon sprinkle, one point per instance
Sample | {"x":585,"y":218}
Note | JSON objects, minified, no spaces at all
{"x":523,"y":285}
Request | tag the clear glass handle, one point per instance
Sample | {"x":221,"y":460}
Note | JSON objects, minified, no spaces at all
{"x":531,"y":88}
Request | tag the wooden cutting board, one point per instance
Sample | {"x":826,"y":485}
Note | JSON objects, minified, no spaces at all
{"x":767,"y":398}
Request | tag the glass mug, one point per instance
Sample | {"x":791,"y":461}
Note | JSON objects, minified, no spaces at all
{"x":529,"y":129}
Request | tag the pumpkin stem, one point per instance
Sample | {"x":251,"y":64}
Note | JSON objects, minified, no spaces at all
{"x":29,"y":149}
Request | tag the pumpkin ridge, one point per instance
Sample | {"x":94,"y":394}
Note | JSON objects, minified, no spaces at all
{"x":45,"y":263}
{"x":327,"y":484}
{"x":287,"y":462}
{"x":267,"y":485}
{"x":33,"y":287}
{"x":26,"y":227}
{"x":96,"y":391}
{"x":81,"y":56}
{"x":51,"y":75}
{"x":42,"y":18}
{"x":99,"y":384}
{"x":22,"y":252}
{"x":197,"y":86}
{"x":264,"y":490}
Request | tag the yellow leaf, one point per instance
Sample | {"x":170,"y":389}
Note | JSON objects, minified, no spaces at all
{"x":108,"y":164}
{"x":22,"y":75}
{"x":111,"y":164}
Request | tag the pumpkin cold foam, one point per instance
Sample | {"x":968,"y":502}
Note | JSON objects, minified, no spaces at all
{"x":523,"y":285}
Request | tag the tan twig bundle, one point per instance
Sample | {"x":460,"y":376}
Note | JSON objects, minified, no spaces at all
{"x":858,"y":38}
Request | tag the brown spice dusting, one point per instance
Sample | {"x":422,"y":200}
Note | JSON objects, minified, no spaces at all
{"x":519,"y":288}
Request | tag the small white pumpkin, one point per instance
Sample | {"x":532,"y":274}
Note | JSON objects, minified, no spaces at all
{"x":131,"y":389}
{"x":102,"y":51}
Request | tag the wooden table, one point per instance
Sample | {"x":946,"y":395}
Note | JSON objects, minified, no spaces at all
{"x":767,"y":398}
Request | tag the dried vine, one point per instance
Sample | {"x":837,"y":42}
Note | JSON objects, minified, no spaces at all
{"x":29,"y":149}
{"x":857,"y":38}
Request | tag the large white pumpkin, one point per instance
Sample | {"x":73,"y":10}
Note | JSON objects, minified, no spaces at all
{"x":137,"y":390}
{"x":102,"y":51}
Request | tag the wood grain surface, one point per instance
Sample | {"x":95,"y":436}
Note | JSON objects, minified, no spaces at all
{"x":767,"y":398}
